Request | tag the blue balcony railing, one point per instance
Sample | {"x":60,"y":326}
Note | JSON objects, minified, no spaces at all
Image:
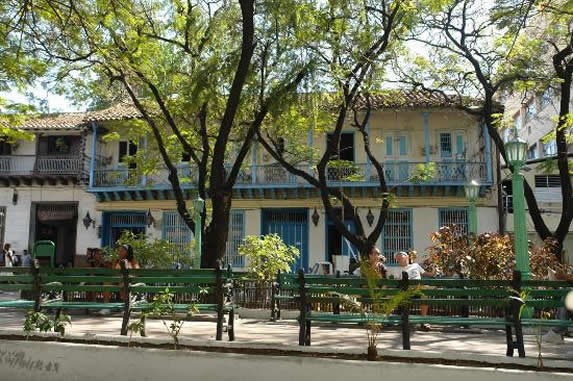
{"x":273,"y":175}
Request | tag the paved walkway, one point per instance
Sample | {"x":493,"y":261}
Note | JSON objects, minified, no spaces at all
{"x":479,"y":345}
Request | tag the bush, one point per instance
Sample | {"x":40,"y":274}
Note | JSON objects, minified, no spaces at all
{"x":267,"y":255}
{"x":157,"y":253}
{"x":485,"y":256}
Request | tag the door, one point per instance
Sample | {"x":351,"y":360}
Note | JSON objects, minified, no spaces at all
{"x":292,"y":226}
{"x":396,"y":151}
{"x":57,"y":222}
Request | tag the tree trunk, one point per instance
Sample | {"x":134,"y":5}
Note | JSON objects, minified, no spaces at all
{"x":372,"y":353}
{"x":218,"y":230}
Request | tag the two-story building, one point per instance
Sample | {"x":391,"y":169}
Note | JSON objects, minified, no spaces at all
{"x":406,"y":132}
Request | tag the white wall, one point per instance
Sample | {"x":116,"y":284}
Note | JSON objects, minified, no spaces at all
{"x":44,"y":361}
{"x":18,"y":216}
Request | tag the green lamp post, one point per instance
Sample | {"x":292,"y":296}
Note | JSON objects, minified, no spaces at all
{"x":198,"y":205}
{"x":516,"y":151}
{"x":472,"y":194}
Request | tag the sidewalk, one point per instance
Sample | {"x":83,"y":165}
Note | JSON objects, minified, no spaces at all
{"x":473,"y":345}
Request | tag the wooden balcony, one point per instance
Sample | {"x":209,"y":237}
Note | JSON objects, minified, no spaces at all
{"x":16,"y":169}
{"x":271,"y":180}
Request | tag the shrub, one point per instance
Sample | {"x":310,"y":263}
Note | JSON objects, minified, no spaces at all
{"x":267,"y":255}
{"x":157,"y":253}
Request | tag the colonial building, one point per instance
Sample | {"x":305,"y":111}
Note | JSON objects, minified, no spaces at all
{"x":91,"y":193}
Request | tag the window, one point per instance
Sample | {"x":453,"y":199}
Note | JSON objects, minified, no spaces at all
{"x":5,"y":147}
{"x":532,"y":152}
{"x":116,"y":223}
{"x":453,"y":216}
{"x":460,"y":146}
{"x":530,"y":111}
{"x":345,"y":149}
{"x":396,"y":144}
{"x":445,"y":144}
{"x":547,"y":97}
{"x":550,"y":148}
{"x":176,"y":231}
{"x":127,"y":149}
{"x":397,"y":233}
{"x":235,"y":239}
{"x":59,"y":145}
{"x":547,"y":181}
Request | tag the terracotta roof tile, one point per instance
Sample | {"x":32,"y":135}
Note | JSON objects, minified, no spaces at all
{"x":408,"y":99}
{"x":80,"y":120}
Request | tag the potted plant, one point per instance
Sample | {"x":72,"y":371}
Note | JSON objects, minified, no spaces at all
{"x":377,"y":308}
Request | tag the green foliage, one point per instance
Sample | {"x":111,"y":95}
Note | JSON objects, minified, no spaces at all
{"x":38,"y":321}
{"x":379,"y":303}
{"x":423,"y":172}
{"x":267,"y":255}
{"x":163,"y":306}
{"x":156,"y":253}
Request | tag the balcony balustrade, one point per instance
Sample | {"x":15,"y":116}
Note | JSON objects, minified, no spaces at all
{"x":273,"y":175}
{"x":28,"y":165}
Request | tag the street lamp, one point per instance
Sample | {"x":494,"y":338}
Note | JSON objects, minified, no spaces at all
{"x":198,"y":205}
{"x":516,"y":151}
{"x":472,"y":193}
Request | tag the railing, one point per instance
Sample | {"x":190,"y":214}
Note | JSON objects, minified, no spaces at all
{"x":25,"y":165}
{"x":395,"y":173}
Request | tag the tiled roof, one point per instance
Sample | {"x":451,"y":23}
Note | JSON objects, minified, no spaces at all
{"x":123,"y":111}
{"x":80,"y":120}
{"x":408,"y":99}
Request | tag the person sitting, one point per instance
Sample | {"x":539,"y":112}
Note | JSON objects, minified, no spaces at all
{"x":414,"y":271}
{"x":125,"y":253}
{"x":555,"y":335}
{"x":376,"y":261}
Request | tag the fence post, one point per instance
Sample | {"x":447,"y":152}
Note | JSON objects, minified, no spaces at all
{"x":219,"y":295}
{"x":404,"y":314}
{"x":336,"y":305}
{"x":275,"y":313}
{"x":127,"y":295}
{"x":302,"y":306}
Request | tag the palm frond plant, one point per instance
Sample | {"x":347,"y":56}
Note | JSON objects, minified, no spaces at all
{"x":375,"y":310}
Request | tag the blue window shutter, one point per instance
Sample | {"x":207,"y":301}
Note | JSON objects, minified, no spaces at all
{"x":403,"y":146}
{"x":459,"y":144}
{"x":388,"y":146}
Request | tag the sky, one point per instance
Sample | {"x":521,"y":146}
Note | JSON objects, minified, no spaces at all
{"x":56,"y":103}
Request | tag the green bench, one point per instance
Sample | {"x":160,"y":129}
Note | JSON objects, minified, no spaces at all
{"x":83,"y":288}
{"x":22,"y":281}
{"x":455,"y":302}
{"x":209,"y":290}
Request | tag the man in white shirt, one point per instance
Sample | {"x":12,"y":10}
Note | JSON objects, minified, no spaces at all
{"x":414,"y":271}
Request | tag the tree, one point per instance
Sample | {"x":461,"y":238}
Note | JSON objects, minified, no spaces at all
{"x":477,"y":51}
{"x":351,"y":62}
{"x":203,"y":75}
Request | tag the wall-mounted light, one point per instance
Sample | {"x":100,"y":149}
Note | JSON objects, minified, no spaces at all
{"x":149,"y":219}
{"x":370,"y":217}
{"x":315,"y":217}
{"x":14,"y":197}
{"x":88,"y":220}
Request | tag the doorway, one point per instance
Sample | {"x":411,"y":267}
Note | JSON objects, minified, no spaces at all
{"x":56,"y":222}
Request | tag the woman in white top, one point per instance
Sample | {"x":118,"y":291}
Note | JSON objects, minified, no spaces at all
{"x":8,"y":255}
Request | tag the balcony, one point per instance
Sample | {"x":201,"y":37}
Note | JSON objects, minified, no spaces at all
{"x":27,"y":168}
{"x":273,"y":176}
